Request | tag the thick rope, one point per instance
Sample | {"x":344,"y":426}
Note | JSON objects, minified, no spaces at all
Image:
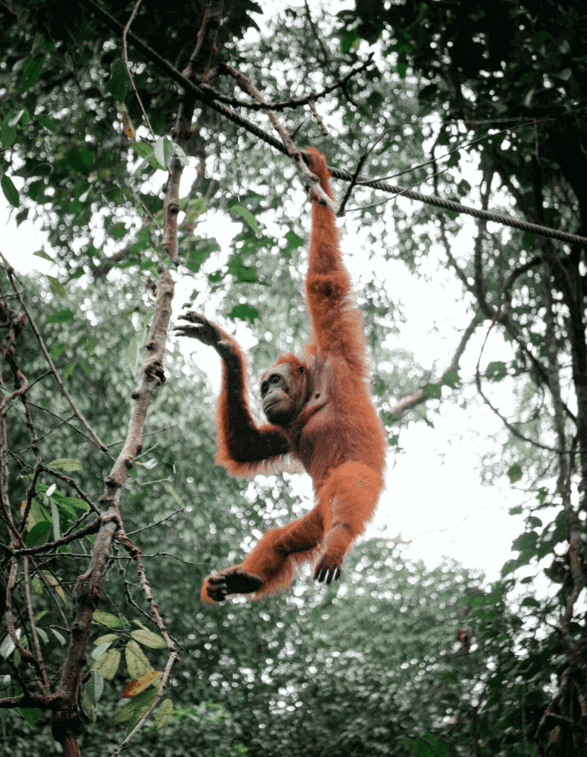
{"x":206,"y":95}
{"x":456,"y":207}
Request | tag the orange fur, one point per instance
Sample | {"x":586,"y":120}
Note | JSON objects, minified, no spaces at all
{"x":336,"y":434}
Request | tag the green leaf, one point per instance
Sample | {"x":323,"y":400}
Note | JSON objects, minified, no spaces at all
{"x":38,"y":533}
{"x":566,"y":74}
{"x":293,"y":243}
{"x":37,"y":513}
{"x":42,"y":254}
{"x":515,"y":473}
{"x":10,"y":191}
{"x":508,"y":567}
{"x":137,"y":706}
{"x":31,"y":715}
{"x":8,"y":130}
{"x":132,"y":352}
{"x":243,"y":273}
{"x":496,"y":370}
{"x":163,"y":713}
{"x":108,"y":664}
{"x":118,"y":80}
{"x":199,"y":252}
{"x":79,"y":504}
{"x":349,"y":41}
{"x":118,"y":230}
{"x":142,"y":241}
{"x":90,"y":344}
{"x":60,"y":316}
{"x":32,"y":72}
{"x":49,"y":123}
{"x":451,"y":379}
{"x":136,"y":174}
{"x":148,"y":638}
{"x":477,"y":601}
{"x":69,"y":369}
{"x":8,"y":136}
{"x":525,"y":541}
{"x":95,"y":686}
{"x":433,"y":391}
{"x":37,"y":585}
{"x":163,"y":151}
{"x":107,"y":619}
{"x":7,"y":647}
{"x":142,"y":149}
{"x":247,"y":217}
{"x":194,"y":208}
{"x":101,"y":650}
{"x":58,"y":349}
{"x":440,"y":747}
{"x":57,"y":286}
{"x":66,"y":464}
{"x":244,"y":312}
{"x":530,"y":602}
{"x":108,"y":637}
{"x":423,"y":749}
{"x":180,"y":155}
{"x":81,"y":160}
{"x":529,"y":97}
{"x":136,"y":661}
{"x":59,"y":636}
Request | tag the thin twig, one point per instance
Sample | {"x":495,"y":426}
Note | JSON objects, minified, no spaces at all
{"x":323,"y":129}
{"x":292,"y":150}
{"x":44,"y":683}
{"x":132,"y":17}
{"x":357,"y":174}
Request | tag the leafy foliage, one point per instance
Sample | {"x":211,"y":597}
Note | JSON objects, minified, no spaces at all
{"x":480,"y":102}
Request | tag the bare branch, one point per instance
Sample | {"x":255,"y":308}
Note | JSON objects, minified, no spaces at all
{"x":94,"y":437}
{"x":357,"y":174}
{"x":294,"y":102}
{"x":419,"y":396}
{"x":511,"y":428}
{"x":292,"y":150}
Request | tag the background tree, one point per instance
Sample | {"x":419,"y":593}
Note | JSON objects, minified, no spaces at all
{"x":482,"y":103}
